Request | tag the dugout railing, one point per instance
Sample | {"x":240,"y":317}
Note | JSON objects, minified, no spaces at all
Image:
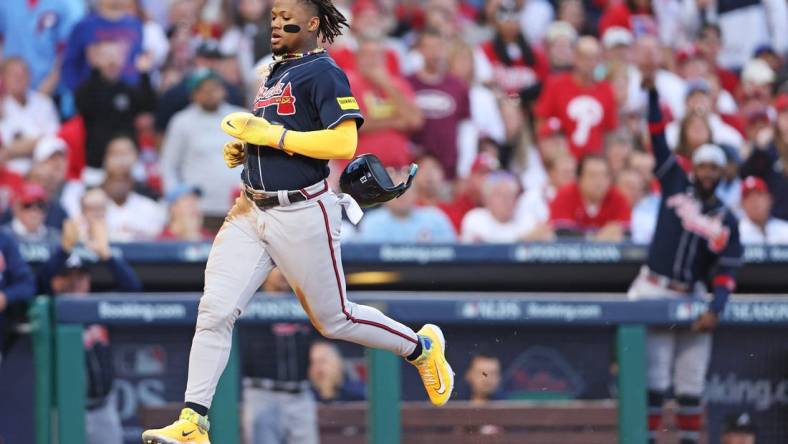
{"x":60,"y":364}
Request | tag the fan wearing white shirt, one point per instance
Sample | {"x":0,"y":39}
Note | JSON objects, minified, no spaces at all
{"x":535,"y":202}
{"x":130,"y":216}
{"x":498,"y":221}
{"x":757,"y":226}
{"x":26,"y":115}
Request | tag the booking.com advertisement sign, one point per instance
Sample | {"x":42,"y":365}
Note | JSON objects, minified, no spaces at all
{"x":748,"y":370}
{"x":549,"y":347}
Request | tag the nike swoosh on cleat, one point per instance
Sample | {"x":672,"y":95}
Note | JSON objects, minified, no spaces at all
{"x":230,"y":124}
{"x":187,"y":434}
{"x":442,"y":387}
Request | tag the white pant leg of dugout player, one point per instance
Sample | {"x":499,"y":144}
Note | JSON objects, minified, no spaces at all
{"x":678,"y":356}
{"x":237,"y":266}
{"x":102,"y":425}
{"x":693,"y":353}
{"x":279,"y":418}
{"x":261,"y":422}
{"x":660,"y":343}
{"x":660,"y":349}
{"x":303,"y":240}
{"x":299,"y":413}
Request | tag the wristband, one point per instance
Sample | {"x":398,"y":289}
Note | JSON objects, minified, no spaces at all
{"x":281,"y":144}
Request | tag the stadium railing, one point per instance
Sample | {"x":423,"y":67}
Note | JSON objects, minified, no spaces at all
{"x":57,"y":329}
{"x":593,"y":267}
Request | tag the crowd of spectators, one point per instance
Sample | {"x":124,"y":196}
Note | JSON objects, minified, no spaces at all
{"x":525,"y":116}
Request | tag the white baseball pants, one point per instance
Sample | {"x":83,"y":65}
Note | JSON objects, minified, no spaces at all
{"x":680,"y":355}
{"x":302,"y":239}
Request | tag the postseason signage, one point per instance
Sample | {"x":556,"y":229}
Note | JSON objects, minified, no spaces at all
{"x":459,"y":309}
{"x":537,"y":253}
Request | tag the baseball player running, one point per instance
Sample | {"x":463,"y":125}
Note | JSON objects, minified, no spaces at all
{"x":696,"y":241}
{"x":304,"y":115}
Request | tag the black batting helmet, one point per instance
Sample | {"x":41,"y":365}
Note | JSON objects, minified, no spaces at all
{"x":368,"y":182}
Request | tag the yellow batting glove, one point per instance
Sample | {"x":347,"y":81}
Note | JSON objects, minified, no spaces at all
{"x":234,"y":153}
{"x":252,"y":129}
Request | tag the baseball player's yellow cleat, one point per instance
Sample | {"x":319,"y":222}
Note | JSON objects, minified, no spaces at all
{"x":435,"y":371}
{"x":190,"y":428}
{"x":252,"y":129}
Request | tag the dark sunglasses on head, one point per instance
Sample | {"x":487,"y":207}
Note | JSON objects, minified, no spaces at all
{"x":41,"y":205}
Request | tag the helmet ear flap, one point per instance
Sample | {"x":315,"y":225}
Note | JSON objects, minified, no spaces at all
{"x":368,"y":182}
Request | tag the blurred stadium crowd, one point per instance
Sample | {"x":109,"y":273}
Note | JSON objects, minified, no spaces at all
{"x":526,"y":116}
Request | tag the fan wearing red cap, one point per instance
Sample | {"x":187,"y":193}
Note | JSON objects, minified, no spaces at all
{"x":758,"y":226}
{"x":29,"y":213}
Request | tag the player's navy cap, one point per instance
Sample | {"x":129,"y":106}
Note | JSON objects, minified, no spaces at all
{"x":739,"y":423}
{"x":181,"y":190}
{"x":709,"y":153}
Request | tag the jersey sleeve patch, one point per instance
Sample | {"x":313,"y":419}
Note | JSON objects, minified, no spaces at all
{"x":346,"y":103}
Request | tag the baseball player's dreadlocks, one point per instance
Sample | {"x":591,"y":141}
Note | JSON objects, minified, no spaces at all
{"x":331,"y":20}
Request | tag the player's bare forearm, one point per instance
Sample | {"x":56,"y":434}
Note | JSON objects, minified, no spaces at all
{"x":335,"y":143}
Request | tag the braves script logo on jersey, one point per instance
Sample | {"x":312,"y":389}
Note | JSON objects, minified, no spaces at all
{"x":279,"y":95}
{"x":694,"y":221}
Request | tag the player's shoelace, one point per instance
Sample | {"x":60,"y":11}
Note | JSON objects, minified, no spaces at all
{"x":193,"y":417}
{"x":429,"y":374}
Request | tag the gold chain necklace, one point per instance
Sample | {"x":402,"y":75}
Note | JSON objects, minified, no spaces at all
{"x":297,"y":55}
{"x":287,"y":57}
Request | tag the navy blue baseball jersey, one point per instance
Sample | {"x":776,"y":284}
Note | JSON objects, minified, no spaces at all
{"x":694,"y":240}
{"x":310,"y":93}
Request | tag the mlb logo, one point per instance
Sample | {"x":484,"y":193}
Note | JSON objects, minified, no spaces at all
{"x":142,"y":360}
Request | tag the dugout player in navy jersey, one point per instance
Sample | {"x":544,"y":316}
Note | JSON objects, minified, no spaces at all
{"x":303,"y":115}
{"x":696,"y":243}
